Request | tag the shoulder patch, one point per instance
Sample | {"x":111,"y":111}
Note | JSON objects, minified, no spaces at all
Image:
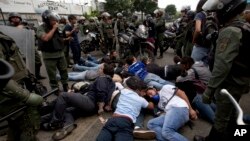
{"x":223,"y":44}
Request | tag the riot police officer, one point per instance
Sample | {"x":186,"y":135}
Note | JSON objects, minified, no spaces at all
{"x":50,"y":41}
{"x":160,"y":28}
{"x":16,"y":20}
{"x":24,"y":125}
{"x":231,"y":67}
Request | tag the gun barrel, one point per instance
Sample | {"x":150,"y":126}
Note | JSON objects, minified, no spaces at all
{"x":24,"y":107}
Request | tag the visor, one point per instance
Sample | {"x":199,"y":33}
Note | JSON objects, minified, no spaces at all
{"x":212,"y":5}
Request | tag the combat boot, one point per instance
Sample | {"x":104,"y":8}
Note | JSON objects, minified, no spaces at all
{"x":38,"y":74}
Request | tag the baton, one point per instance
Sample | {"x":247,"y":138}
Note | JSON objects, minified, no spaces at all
{"x":2,"y":16}
{"x":24,"y":107}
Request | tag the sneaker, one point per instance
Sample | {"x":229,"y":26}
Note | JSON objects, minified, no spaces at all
{"x":144,"y":134}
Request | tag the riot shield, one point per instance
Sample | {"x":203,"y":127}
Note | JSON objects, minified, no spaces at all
{"x":25,"y":40}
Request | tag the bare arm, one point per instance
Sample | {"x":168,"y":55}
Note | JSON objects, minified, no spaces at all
{"x":150,"y":105}
{"x":182,"y":95}
{"x":197,"y":31}
{"x":47,"y":36}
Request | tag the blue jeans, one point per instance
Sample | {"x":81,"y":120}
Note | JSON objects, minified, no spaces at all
{"x":156,"y":81}
{"x":117,"y":129}
{"x":166,"y":126}
{"x":74,"y":76}
{"x":77,"y":67}
{"x":207,"y":111}
{"x":93,"y":59}
{"x":88,"y":63}
{"x":200,"y":54}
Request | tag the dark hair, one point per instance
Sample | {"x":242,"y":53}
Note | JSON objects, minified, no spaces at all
{"x":108,"y":69}
{"x":199,"y":5}
{"x":177,"y":59}
{"x":187,"y":61}
{"x":71,"y":17}
{"x":130,"y":60}
{"x":63,"y":20}
{"x":135,"y":83}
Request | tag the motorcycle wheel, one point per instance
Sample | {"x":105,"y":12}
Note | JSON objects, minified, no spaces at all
{"x":84,"y":47}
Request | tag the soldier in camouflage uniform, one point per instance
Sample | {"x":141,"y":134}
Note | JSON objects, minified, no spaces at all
{"x":50,"y":41}
{"x":181,"y":31}
{"x":107,"y":31}
{"x":160,"y":28}
{"x":231,"y":66}
{"x":120,"y":23}
{"x":16,"y":21}
{"x":24,"y":125}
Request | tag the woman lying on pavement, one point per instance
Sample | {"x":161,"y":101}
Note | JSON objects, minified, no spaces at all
{"x":121,"y":125}
{"x":92,"y":102}
{"x":177,"y":111}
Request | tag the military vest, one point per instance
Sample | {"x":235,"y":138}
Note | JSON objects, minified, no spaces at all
{"x":108,"y":30}
{"x":54,"y":44}
{"x":13,"y":56}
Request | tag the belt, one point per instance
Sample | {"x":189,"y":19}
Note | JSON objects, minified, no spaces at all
{"x":122,"y":116}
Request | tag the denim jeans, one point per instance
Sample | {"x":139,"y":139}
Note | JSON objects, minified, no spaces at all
{"x":200,"y":54}
{"x":117,"y":129}
{"x":93,"y":59}
{"x":156,"y":81}
{"x":77,"y":67}
{"x":207,"y":111}
{"x":74,"y":76}
{"x":166,"y":126}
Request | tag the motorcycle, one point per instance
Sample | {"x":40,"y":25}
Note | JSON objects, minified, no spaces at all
{"x":135,"y":42}
{"x":169,"y":39}
{"x":90,"y":41}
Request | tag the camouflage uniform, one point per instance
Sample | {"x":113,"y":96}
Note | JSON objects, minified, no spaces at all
{"x":181,"y":37}
{"x":230,"y":72}
{"x":53,"y":56}
{"x":160,"y":28}
{"x":24,"y":125}
{"x":107,"y":33}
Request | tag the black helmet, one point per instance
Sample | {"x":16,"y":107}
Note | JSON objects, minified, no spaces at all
{"x":190,"y":15}
{"x":225,"y":9}
{"x":48,"y":15}
{"x":15,"y":14}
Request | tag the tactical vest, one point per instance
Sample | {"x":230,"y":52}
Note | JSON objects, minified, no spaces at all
{"x":121,"y":25}
{"x":160,"y":25}
{"x":13,"y":56}
{"x":54,"y":44}
{"x":241,"y":65}
{"x":108,"y":30}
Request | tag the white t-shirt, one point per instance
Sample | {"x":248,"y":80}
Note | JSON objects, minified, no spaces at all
{"x":130,"y":104}
{"x":165,"y":94}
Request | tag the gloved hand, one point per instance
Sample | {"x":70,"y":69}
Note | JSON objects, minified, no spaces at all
{"x":34,"y":100}
{"x":208,"y":95}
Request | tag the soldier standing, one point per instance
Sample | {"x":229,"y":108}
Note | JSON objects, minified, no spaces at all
{"x":231,"y":66}
{"x":107,"y":31}
{"x":160,"y":28}
{"x":24,"y":125}
{"x":50,"y":41}
{"x":16,"y":21}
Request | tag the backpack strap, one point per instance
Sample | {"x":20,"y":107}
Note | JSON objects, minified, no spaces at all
{"x":195,"y":74}
{"x":175,"y":91}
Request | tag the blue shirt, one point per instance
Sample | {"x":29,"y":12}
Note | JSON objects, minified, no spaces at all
{"x":75,"y":40}
{"x":139,"y":69}
{"x":130,"y":104}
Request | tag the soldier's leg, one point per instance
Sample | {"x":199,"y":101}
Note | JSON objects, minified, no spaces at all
{"x":38,"y":64}
{"x":62,"y":68}
{"x":30,"y":124}
{"x":51,"y":65}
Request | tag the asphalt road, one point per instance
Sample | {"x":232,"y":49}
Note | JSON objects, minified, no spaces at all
{"x":89,"y":127}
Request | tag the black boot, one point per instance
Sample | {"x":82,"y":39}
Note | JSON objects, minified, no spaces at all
{"x":65,"y":87}
{"x":37,"y":71}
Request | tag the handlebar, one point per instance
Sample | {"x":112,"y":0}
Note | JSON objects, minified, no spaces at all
{"x":237,"y":106}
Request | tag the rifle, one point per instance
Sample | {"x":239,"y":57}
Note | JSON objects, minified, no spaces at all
{"x":2,"y":16}
{"x":24,"y":107}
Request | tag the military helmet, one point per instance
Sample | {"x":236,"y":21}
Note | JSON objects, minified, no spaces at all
{"x":15,"y":14}
{"x":82,"y":18}
{"x":48,"y":15}
{"x":91,"y":19}
{"x":105,"y":15}
{"x":185,"y":9}
{"x":190,"y":14}
{"x":159,"y":12}
{"x":225,"y":9}
{"x":119,"y":14}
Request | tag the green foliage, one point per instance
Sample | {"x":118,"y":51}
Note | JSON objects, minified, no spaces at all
{"x":171,"y":9}
{"x":146,"y":6}
{"x":115,"y":6}
{"x":92,"y":14}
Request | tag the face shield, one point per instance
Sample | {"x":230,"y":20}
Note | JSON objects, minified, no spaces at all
{"x":214,"y":5}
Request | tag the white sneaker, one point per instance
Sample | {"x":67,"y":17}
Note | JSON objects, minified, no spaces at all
{"x":144,"y":134}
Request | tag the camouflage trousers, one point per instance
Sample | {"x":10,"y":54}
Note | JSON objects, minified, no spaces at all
{"x":24,"y":125}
